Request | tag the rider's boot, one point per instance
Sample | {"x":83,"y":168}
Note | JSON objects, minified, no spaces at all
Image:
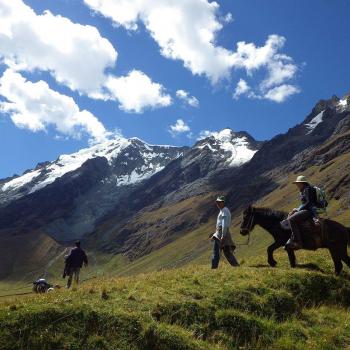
{"x":294,"y":242}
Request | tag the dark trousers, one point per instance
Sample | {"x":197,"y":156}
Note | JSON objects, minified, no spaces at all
{"x":73,"y":273}
{"x":228,"y":252}
{"x":294,"y":222}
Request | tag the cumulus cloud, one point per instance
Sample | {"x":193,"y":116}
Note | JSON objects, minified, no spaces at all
{"x":179,"y":127}
{"x":281,"y":93}
{"x":184,"y":30}
{"x":34,"y":106}
{"x":187,"y":30}
{"x":136,"y":91}
{"x":76,"y":55}
{"x":242,"y":88}
{"x":187,"y":98}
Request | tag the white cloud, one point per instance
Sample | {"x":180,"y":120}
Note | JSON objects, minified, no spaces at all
{"x":179,"y":127}
{"x":75,"y":55}
{"x":136,"y":91}
{"x":185,"y":97}
{"x":204,"y":134}
{"x":184,"y":30}
{"x":228,"y":18}
{"x":280,"y":69}
{"x":187,"y":30}
{"x":34,"y":106}
{"x":281,"y":93}
{"x":242,"y":88}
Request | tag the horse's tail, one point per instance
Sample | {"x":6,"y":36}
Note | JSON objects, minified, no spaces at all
{"x":348,"y":236}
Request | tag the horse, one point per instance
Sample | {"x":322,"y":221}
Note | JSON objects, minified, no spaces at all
{"x":328,"y":234}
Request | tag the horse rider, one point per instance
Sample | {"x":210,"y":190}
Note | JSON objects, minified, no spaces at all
{"x":307,"y":210}
{"x":222,"y":237}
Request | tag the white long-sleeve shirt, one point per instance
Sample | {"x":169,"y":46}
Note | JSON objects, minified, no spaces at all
{"x":224,"y":222}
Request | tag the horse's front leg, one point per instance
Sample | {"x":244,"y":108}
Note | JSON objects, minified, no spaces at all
{"x":291,"y":257}
{"x":272,"y":262}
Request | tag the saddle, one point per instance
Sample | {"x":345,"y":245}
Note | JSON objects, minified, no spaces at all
{"x":312,"y":234}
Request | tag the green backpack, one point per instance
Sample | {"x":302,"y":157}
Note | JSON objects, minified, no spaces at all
{"x":321,"y":198}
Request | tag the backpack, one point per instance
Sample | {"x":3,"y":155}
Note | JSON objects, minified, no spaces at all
{"x":321,"y":198}
{"x":41,"y":286}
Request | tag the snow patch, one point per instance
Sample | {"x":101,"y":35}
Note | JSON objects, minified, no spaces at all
{"x":226,"y":141}
{"x":110,"y":150}
{"x":70,"y":162}
{"x":20,"y":181}
{"x":314,"y":122}
{"x":343,"y":105}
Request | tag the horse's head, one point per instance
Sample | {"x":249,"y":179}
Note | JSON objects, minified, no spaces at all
{"x":248,"y":221}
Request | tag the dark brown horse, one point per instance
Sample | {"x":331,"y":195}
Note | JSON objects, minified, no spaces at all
{"x":329,"y":234}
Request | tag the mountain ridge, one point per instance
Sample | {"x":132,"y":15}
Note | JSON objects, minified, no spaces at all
{"x":136,"y":221}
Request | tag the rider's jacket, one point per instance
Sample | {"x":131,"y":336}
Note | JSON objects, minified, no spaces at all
{"x":308,"y":199}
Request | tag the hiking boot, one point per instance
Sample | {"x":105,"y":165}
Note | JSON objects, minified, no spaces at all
{"x":294,"y":245}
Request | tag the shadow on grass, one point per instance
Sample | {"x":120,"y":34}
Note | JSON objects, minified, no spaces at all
{"x":261,"y":266}
{"x":310,"y":266}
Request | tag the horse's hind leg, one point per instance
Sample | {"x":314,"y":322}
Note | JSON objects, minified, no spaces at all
{"x":272,"y":262}
{"x":346,"y":259}
{"x":344,"y":256}
{"x":336,"y":257}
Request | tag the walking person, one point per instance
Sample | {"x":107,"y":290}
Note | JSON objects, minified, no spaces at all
{"x":74,"y":262}
{"x":222,"y":236}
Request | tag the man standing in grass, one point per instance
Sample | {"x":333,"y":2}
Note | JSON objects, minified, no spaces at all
{"x":222,"y":236}
{"x":74,"y":262}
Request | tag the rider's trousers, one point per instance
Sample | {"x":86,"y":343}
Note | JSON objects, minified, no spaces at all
{"x":294,"y":222}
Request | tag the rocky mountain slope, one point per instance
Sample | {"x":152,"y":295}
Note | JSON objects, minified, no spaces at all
{"x":140,"y":202}
{"x":73,"y":196}
{"x":179,"y":200}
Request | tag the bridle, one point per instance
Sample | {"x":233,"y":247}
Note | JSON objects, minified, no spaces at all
{"x":249,"y":227}
{"x":250,"y":222}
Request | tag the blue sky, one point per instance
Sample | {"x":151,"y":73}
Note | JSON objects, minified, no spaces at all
{"x":311,"y":47}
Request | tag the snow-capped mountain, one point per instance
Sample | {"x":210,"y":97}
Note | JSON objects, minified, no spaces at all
{"x":67,"y":197}
{"x":130,"y":160}
{"x":324,"y":110}
{"x":235,"y":148}
{"x":128,"y":197}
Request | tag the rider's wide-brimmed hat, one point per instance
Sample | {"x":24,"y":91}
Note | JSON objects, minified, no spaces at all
{"x":221,"y":199}
{"x":300,"y":179}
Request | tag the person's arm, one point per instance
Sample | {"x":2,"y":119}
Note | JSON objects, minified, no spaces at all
{"x":86,"y":262}
{"x":225,"y":224}
{"x":308,"y":202}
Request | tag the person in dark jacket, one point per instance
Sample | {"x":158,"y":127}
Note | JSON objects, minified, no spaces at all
{"x":307,"y":210}
{"x":74,"y":262}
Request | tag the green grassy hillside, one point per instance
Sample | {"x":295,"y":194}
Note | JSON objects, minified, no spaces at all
{"x":250,"y":307}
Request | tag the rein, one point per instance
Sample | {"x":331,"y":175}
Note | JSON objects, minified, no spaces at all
{"x":248,"y":228}
{"x":250,"y":222}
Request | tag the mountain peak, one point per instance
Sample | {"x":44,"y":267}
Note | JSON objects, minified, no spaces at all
{"x":236,"y":148}
{"x":131,"y":160}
